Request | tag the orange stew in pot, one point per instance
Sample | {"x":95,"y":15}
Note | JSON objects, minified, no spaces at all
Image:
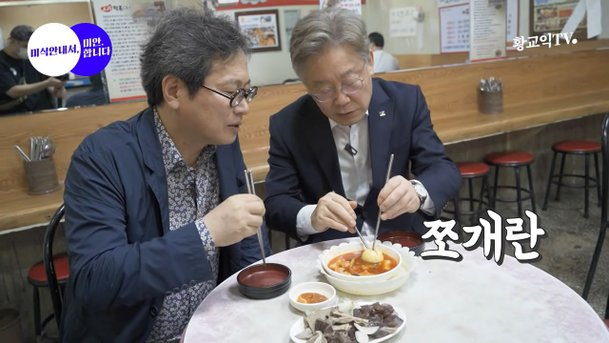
{"x":351,"y":263}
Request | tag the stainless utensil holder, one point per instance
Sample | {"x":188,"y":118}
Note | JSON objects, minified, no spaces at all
{"x":490,"y":102}
{"x":41,"y":176}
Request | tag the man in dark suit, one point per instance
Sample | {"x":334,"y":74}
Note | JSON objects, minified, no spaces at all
{"x":155,"y":215}
{"x":329,"y":150}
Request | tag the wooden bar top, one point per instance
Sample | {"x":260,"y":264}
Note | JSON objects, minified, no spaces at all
{"x":537,"y":91}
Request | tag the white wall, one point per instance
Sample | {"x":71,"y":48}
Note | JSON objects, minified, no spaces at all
{"x":605,"y":14}
{"x":272,"y":67}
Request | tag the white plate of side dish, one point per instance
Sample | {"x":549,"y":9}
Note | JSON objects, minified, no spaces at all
{"x":393,"y":326}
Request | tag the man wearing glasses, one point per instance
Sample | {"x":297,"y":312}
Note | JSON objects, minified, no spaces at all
{"x":155,"y":215}
{"x":329,"y":150}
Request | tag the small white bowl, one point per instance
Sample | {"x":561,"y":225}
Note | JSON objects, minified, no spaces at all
{"x":386,"y":247}
{"x":317,"y":287}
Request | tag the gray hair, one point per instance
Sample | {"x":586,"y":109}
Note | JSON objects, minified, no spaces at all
{"x":186,"y":43}
{"x":332,"y":26}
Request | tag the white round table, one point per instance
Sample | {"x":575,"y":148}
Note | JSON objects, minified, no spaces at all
{"x":473,"y":300}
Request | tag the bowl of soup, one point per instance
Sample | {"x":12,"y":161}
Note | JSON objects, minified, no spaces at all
{"x":344,"y":261}
{"x":372,"y":287}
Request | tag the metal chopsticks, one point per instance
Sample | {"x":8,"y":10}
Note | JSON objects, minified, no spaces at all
{"x":361,"y":237}
{"x":378,"y":219}
{"x":249,"y":181}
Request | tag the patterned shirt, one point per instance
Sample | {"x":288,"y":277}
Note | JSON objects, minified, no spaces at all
{"x":192,"y":192}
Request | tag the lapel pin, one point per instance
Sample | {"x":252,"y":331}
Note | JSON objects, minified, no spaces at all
{"x":381,"y":113}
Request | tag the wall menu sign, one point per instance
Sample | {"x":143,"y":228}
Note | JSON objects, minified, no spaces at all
{"x":244,"y":4}
{"x":127,"y":32}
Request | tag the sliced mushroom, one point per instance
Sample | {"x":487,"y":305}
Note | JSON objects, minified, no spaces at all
{"x":368,"y":330}
{"x":306,"y":334}
{"x":361,"y":337}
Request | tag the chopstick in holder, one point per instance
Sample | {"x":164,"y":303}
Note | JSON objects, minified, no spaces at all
{"x":378,"y":219}
{"x":249,"y":181}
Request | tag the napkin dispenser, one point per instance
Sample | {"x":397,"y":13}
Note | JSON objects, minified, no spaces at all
{"x":490,"y":96}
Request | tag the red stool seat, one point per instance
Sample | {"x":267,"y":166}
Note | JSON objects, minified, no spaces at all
{"x":37,"y":274}
{"x":577,"y":146}
{"x":475,"y":205}
{"x":509,"y":158}
{"x":473,"y":169}
{"x":585,"y":149}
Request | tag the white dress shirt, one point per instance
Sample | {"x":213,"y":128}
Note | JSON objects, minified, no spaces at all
{"x":355,"y":172}
{"x":384,"y":62}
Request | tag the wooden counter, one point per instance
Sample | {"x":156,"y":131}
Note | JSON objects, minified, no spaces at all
{"x":537,"y":91}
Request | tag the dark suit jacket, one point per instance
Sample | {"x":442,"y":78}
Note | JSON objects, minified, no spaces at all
{"x":304,"y":163}
{"x":123,"y":257}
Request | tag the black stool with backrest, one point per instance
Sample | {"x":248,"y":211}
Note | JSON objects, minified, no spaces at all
{"x":514,"y":160}
{"x":604,"y":204}
{"x":49,"y":264}
{"x":47,"y":274}
{"x":574,"y":147}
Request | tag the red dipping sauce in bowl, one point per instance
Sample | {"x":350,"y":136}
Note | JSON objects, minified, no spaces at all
{"x":264,"y":281}
{"x":409,"y":239}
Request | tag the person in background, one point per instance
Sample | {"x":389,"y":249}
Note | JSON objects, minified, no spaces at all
{"x":94,"y":96}
{"x":329,"y":150}
{"x":156,"y":214}
{"x":22,"y":87}
{"x":383,"y":61}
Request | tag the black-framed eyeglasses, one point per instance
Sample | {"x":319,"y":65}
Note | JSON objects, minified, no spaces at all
{"x":238,"y":96}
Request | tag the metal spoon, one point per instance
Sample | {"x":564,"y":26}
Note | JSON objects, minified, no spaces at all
{"x":48,"y":149}
{"x":378,"y":219}
{"x":249,"y":181}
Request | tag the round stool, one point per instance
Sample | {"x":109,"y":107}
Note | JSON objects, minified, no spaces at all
{"x":514,"y":160}
{"x":37,"y":277}
{"x":471,"y":171}
{"x":575,"y":147}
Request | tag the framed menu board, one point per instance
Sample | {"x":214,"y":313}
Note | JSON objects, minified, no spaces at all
{"x":262,"y":28}
{"x":550,"y":16}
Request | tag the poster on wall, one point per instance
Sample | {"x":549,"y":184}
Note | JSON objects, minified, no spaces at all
{"x":128,"y":26}
{"x":352,"y":5}
{"x":455,"y":24}
{"x":402,"y":22}
{"x":550,"y":16}
{"x":487,"y":30}
{"x":511,"y":30}
{"x":290,"y":17}
{"x":454,"y":28}
{"x":262,"y":28}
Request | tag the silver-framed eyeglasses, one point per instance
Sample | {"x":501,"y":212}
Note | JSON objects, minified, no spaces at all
{"x":348,"y":88}
{"x":238,"y":96}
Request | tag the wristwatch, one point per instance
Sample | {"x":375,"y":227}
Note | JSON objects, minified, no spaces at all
{"x":420,"y":190}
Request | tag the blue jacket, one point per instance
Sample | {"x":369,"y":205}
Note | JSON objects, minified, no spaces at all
{"x":123,"y":257}
{"x":304,"y":164}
